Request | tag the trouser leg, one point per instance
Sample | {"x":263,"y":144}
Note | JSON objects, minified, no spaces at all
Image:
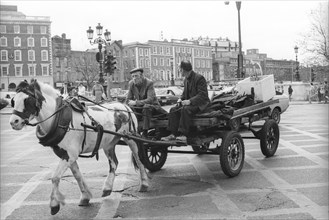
{"x":185,"y":121}
{"x":173,"y":120}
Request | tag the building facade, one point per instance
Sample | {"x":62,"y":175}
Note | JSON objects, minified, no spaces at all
{"x":26,"y":48}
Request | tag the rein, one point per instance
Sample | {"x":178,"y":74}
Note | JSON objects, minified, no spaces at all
{"x":34,"y":124}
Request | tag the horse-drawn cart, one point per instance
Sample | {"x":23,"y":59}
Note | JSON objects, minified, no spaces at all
{"x":153,"y":152}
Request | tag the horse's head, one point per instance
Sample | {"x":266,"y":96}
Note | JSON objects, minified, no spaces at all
{"x":27,"y":104}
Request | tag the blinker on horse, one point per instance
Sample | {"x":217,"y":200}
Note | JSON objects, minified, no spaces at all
{"x":61,"y":128}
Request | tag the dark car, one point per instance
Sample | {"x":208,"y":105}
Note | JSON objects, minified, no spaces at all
{"x":3,"y":103}
{"x":168,"y":96}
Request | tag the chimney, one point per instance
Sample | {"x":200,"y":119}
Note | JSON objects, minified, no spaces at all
{"x":64,"y":36}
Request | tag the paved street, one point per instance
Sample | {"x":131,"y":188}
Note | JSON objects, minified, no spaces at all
{"x":291,"y":185}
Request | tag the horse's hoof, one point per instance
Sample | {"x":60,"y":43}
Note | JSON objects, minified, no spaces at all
{"x":54,"y":209}
{"x":106,"y":193}
{"x":84,"y":202}
{"x":143,"y":188}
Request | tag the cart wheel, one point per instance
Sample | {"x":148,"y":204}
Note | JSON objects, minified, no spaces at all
{"x":235,"y":124}
{"x":232,"y":154}
{"x":153,"y":157}
{"x":276,"y":116}
{"x":269,"y":138}
{"x":201,"y":149}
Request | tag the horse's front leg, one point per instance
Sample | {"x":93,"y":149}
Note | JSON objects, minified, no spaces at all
{"x":56,"y":197}
{"x":113,"y":164}
{"x":85,"y":192}
{"x":143,"y":175}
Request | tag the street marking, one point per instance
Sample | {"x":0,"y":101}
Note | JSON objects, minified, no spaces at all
{"x":225,"y":206}
{"x":18,"y":198}
{"x":288,"y":190}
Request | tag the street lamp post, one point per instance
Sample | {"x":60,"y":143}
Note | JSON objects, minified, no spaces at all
{"x":297,"y":68}
{"x":100,"y":41}
{"x":172,"y":81}
{"x":240,"y":73}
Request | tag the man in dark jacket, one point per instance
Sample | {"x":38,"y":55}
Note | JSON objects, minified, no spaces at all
{"x":142,"y":99}
{"x":193,"y":100}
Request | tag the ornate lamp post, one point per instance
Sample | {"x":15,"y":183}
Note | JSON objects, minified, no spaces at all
{"x":100,"y":41}
{"x":240,"y":73}
{"x":297,"y":68}
{"x":172,"y":81}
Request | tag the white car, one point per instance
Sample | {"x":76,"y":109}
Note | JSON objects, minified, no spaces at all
{"x":278,"y":108}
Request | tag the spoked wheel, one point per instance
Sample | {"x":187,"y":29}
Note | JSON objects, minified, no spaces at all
{"x":232,"y":154}
{"x":276,"y":116}
{"x":201,"y":149}
{"x":153,"y":157}
{"x":269,"y":138}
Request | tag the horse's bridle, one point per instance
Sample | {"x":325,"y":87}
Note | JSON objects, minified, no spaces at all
{"x":25,"y":115}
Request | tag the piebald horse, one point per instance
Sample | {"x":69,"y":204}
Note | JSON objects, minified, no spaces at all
{"x":39,"y":101}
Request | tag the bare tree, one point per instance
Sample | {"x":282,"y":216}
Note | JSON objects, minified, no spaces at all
{"x":86,"y":67}
{"x":315,"y":42}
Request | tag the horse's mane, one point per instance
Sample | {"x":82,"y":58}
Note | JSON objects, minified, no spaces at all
{"x":48,"y":89}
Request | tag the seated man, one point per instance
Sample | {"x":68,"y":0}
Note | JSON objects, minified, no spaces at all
{"x":193,"y":100}
{"x":142,"y":99}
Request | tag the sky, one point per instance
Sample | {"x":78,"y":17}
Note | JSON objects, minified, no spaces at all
{"x":273,"y":27}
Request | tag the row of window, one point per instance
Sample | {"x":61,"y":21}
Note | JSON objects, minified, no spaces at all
{"x":17,"y":56}
{"x":17,"y":42}
{"x":161,"y":50}
{"x":166,"y":75}
{"x":19,"y":69}
{"x":17,"y":29}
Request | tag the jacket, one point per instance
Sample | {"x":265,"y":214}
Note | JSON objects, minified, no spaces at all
{"x":146,"y":95}
{"x":195,"y":90}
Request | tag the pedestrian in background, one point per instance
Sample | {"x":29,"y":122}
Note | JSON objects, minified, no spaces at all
{"x":326,"y":92}
{"x":290,"y":90}
{"x":98,"y":91}
{"x":319,"y":93}
{"x":81,"y":90}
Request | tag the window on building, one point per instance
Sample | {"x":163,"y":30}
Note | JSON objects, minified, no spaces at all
{"x":44,"y":42}
{"x":140,"y":52}
{"x":201,"y":53}
{"x":31,"y":69}
{"x":17,"y":42}
{"x":4,"y":70}
{"x":132,"y":52}
{"x":147,"y":63}
{"x":45,"y":70}
{"x":154,"y":50}
{"x":3,"y":29}
{"x":183,"y":49}
{"x":30,"y":29}
{"x":202,"y":64}
{"x":18,"y":69}
{"x":167,"y":50}
{"x":161,"y":62}
{"x":30,"y":42}
{"x":168,"y":62}
{"x":198,"y":63}
{"x":155,"y":61}
{"x":16,"y":29}
{"x":4,"y":55}
{"x":161,"y":49}
{"x":44,"y":55}
{"x":196,"y":52}
{"x":31,"y":55}
{"x":43,"y":29}
{"x":188,"y":50}
{"x":57,"y":63}
{"x":3,"y":42}
{"x":146,"y":52}
{"x":142,"y":63}
{"x":65,"y":62}
{"x":18,"y":55}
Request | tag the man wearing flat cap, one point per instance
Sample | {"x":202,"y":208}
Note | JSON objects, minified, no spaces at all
{"x":142,"y":99}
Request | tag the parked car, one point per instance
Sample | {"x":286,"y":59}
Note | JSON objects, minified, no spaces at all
{"x":278,"y":108}
{"x":168,"y":96}
{"x":3,"y":103}
{"x":7,"y":96}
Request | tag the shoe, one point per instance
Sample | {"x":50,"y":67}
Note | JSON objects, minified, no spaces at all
{"x":181,"y":138}
{"x":169,"y":138}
